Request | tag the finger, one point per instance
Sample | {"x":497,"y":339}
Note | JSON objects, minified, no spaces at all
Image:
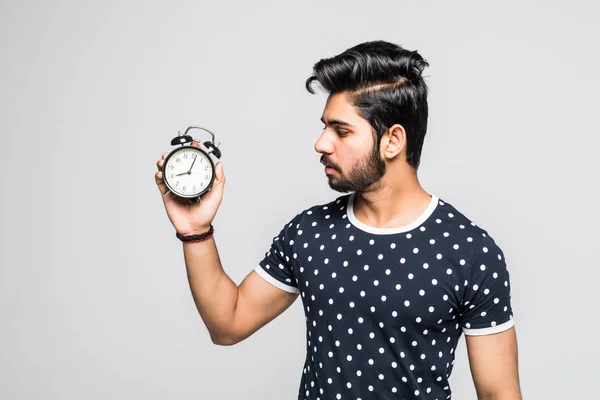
{"x":158,"y":177}
{"x":165,"y":155}
{"x":160,"y":163}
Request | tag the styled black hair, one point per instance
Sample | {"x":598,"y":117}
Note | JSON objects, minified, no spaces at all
{"x":384,"y":82}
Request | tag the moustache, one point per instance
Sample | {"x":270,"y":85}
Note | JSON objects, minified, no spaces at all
{"x":326,"y":161}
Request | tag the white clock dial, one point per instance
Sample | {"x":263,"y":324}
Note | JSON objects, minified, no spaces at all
{"x":188,"y":171}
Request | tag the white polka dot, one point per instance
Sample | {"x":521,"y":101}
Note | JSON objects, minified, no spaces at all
{"x":422,"y":292}
{"x":407,"y":303}
{"x":375,"y":282}
{"x":410,"y":276}
{"x":380,"y":256}
{"x":402,"y":260}
{"x":439,"y":256}
{"x":434,"y":281}
{"x":482,"y":267}
{"x":383,"y":298}
{"x":431,"y":309}
{"x":425,"y":266}
{"x":359,"y":252}
{"x":449,"y":271}
{"x":415,"y":250}
{"x":366,"y":267}
{"x":393,"y":245}
{"x":371,"y":241}
{"x":408,"y":235}
{"x":398,"y":286}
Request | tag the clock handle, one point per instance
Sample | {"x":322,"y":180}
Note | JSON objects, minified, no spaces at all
{"x":202,"y":128}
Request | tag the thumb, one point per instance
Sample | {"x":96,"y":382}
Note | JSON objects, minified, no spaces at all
{"x":219,"y":175}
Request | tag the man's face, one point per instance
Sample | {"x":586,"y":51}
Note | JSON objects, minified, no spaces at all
{"x":347,"y":148}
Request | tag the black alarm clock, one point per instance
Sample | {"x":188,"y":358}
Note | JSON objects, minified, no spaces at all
{"x":189,"y":170}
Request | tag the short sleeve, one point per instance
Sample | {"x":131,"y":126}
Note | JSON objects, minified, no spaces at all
{"x":276,"y":267}
{"x":486,"y":306}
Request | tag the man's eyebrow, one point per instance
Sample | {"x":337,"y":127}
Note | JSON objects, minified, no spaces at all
{"x":336,"y":122}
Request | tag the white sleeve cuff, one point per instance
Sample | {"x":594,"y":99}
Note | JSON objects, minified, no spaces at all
{"x":491,"y":330}
{"x":260,"y":271}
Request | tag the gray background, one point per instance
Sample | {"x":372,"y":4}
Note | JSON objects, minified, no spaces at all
{"x":94,"y":301}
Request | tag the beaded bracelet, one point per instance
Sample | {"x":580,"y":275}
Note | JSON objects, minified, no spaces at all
{"x":196,"y":238}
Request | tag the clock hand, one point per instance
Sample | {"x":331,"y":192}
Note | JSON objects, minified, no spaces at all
{"x":183,"y":173}
{"x":192,"y":166}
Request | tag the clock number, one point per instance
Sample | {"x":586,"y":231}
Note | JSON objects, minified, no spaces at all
{"x":194,"y":188}
{"x":172,"y":175}
{"x":178,"y":159}
{"x":171,"y":166}
{"x":206,"y":176}
{"x":185,"y":156}
{"x":184,"y":188}
{"x":206,"y":167}
{"x":177,"y":183}
{"x":194,"y":155}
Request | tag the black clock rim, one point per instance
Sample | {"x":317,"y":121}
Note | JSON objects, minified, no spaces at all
{"x":205,"y":190}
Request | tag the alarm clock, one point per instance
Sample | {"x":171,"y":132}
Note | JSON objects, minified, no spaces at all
{"x":189,"y":170}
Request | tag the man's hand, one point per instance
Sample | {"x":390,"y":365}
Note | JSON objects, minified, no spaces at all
{"x":188,"y":217}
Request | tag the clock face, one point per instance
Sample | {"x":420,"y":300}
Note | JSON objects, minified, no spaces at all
{"x":188,"y":171}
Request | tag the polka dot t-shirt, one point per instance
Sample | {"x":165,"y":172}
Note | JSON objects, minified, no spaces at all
{"x":385,"y":307}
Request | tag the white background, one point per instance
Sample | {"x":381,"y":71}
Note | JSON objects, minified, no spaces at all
{"x":94,"y":300}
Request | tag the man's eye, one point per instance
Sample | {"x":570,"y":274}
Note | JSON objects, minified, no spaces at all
{"x":341,"y":133}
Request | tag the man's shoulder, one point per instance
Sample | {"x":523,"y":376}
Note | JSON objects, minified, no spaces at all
{"x":451,"y":218}
{"x":332,"y":210}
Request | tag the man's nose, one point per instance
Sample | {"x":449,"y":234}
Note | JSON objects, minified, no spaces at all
{"x":324,"y":144}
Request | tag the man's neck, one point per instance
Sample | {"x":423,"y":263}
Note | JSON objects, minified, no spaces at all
{"x":398,"y":201}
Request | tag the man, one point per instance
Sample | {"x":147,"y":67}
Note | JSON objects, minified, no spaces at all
{"x":390,"y":276}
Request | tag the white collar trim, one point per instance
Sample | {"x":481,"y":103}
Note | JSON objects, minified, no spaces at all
{"x":388,"y":231}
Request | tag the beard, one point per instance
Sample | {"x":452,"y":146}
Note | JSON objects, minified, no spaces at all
{"x":362,"y":177}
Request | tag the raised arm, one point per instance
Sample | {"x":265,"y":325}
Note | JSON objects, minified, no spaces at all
{"x":230,"y":313}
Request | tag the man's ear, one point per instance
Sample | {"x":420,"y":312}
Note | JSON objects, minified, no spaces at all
{"x":393,"y":142}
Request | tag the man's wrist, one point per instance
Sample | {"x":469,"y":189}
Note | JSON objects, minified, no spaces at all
{"x":193,"y":238}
